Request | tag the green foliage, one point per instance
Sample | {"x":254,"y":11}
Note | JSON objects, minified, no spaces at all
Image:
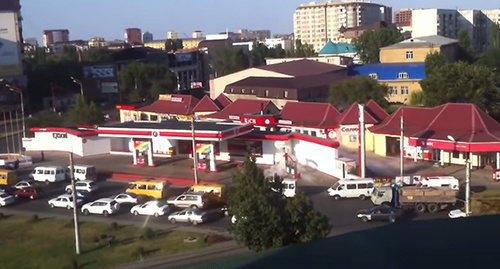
{"x":491,"y":57}
{"x":141,"y":81}
{"x":85,"y":113}
{"x":434,"y":61}
{"x":276,"y":52}
{"x":368,"y":44}
{"x":358,"y":89}
{"x":258,"y":54}
{"x":462,"y":82}
{"x":44,"y":119}
{"x":465,"y":51}
{"x":139,"y":252}
{"x":147,"y":233}
{"x":97,"y":55}
{"x":495,"y":36}
{"x":229,"y":60}
{"x":303,"y":50}
{"x":417,"y":98}
{"x":266,"y":219}
{"x":173,"y":44}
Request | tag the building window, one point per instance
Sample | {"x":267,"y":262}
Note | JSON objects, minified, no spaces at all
{"x":285,"y":94}
{"x":402,"y":75}
{"x":353,"y":138}
{"x":153,"y":117}
{"x":373,"y":75}
{"x":313,"y":133}
{"x":456,"y":154}
{"x":404,"y":90}
{"x":267,"y":92}
{"x":409,"y":54}
{"x":393,"y":90}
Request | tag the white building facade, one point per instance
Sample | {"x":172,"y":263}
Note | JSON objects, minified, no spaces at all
{"x":315,"y":23}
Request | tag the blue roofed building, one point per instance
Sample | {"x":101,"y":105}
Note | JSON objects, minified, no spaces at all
{"x":402,"y":78}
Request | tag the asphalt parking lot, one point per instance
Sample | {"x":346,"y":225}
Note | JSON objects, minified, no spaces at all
{"x":341,"y":213}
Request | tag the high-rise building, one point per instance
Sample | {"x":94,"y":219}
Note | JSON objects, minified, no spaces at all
{"x":172,"y":35}
{"x":316,"y":23}
{"x":198,"y":34}
{"x":448,"y":22}
{"x":133,"y":36}
{"x":32,"y":41}
{"x":254,"y":34}
{"x":147,"y":37}
{"x":51,"y":37}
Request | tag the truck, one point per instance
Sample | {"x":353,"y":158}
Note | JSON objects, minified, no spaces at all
{"x":420,"y":199}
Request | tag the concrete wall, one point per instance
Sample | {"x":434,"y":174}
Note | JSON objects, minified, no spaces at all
{"x":95,"y":145}
{"x":161,"y":145}
{"x":45,"y":141}
{"x":398,"y":55}
{"x":321,"y":158}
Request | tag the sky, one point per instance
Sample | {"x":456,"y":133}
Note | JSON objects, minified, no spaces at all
{"x":109,"y":18}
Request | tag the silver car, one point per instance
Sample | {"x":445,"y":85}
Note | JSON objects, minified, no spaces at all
{"x":192,"y":200}
{"x":193,"y":216}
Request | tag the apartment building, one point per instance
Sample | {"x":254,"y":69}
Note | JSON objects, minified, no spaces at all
{"x":316,"y":23}
{"x":448,"y":22}
{"x":402,"y":20}
{"x":51,"y":37}
{"x":133,"y":35}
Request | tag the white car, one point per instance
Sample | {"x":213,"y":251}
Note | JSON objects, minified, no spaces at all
{"x":104,"y":206}
{"x":83,"y":185}
{"x":65,"y":200}
{"x":151,"y":208}
{"x":24,"y":184}
{"x":194,"y":216}
{"x":457,"y":213}
{"x":126,"y":198}
{"x":6,"y":199}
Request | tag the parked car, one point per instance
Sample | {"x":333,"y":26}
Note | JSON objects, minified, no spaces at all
{"x":127,"y":198}
{"x":225,"y":210}
{"x":6,"y":199}
{"x":104,"y":206}
{"x":193,"y":216}
{"x":383,"y":213}
{"x":192,"y":200}
{"x":28,"y":192}
{"x":83,"y":185}
{"x":7,"y":189}
{"x":24,"y":184}
{"x":65,"y":200}
{"x":457,"y":213}
{"x":151,"y":208}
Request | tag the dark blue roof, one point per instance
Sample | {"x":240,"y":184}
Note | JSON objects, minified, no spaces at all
{"x":389,"y":71}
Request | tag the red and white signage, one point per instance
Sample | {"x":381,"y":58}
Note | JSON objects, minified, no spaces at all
{"x":286,"y":122}
{"x":349,"y":130}
{"x":331,"y":133}
{"x":261,"y":121}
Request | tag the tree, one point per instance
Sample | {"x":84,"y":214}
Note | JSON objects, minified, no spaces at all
{"x":357,"y":89}
{"x":465,"y":51}
{"x":303,"y":50}
{"x":368,"y":44}
{"x":266,"y":219}
{"x":97,"y":55}
{"x":173,"y":44}
{"x":495,"y":36}
{"x":258,"y":54}
{"x":276,"y":52}
{"x":462,"y":82}
{"x":85,"y":113}
{"x":434,"y":61}
{"x":141,"y":81}
{"x":491,"y":57}
{"x":229,"y":60}
{"x":417,"y":98}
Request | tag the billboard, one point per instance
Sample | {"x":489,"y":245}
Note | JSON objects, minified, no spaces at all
{"x":109,"y":87}
{"x":99,"y":71}
{"x":10,"y":54}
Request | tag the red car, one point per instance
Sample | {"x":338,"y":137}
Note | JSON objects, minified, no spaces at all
{"x":32,"y":193}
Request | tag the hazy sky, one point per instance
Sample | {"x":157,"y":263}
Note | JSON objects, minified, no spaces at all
{"x":109,"y":18}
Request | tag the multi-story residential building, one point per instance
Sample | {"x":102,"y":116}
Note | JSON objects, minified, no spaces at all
{"x":51,"y":37}
{"x":97,"y":42}
{"x":316,"y":23}
{"x":349,"y":34}
{"x":12,"y":49}
{"x":415,"y":50}
{"x":285,"y":44}
{"x":254,"y":34}
{"x":172,"y":35}
{"x":198,"y":34}
{"x":491,"y":17}
{"x":31,"y":41}
{"x":191,"y":43}
{"x":133,"y":36}
{"x":402,"y":20}
{"x":147,"y":37}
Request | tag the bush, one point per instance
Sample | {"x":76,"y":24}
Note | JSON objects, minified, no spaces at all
{"x":114,"y":226}
{"x":215,"y":238}
{"x":139,"y":252}
{"x":147,"y":233}
{"x":96,"y":239}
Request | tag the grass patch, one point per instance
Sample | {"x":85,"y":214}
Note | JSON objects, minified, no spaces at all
{"x":50,"y":244}
{"x":486,"y":203}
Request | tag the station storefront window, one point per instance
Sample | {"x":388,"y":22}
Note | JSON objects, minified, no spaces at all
{"x":243,"y":147}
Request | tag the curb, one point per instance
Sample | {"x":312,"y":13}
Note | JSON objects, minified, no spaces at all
{"x":171,"y":180}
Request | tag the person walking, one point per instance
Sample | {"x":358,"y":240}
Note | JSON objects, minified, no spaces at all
{"x":43,"y":156}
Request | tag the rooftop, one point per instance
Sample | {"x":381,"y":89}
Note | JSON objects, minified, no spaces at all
{"x":350,"y":116}
{"x":206,"y":105}
{"x":424,"y":41}
{"x":389,"y":71}
{"x":241,"y":107}
{"x":310,"y":114}
{"x":302,"y":67}
{"x":222,"y":101}
{"x":178,"y":104}
{"x":331,"y":48}
{"x":200,"y":126}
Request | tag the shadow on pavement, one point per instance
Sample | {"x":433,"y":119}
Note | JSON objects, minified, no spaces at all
{"x":312,"y":190}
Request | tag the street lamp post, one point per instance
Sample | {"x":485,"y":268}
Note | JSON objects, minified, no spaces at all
{"x":20,"y":92}
{"x":467,"y":179}
{"x":79,"y":83}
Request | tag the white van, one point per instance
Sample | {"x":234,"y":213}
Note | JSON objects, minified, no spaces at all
{"x":352,"y":188}
{"x":48,"y":174}
{"x":84,"y":172}
{"x":442,"y":181}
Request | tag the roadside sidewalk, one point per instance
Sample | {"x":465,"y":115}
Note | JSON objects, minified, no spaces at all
{"x":219,"y":250}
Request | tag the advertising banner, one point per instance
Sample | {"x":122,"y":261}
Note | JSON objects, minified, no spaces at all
{"x":10,"y":54}
{"x":109,"y":87}
{"x":98,"y":71}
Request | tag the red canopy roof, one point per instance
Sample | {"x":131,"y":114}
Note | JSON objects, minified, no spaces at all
{"x":206,"y":105}
{"x":179,"y":104}
{"x":309,"y":114}
{"x":222,"y":101}
{"x":350,"y":116}
{"x":242,"y":106}
{"x":376,"y":110}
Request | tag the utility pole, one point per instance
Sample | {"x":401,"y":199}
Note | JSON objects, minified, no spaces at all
{"x":75,"y":209}
{"x":401,"y":149}
{"x":17,"y":130}
{"x":467,"y":186}
{"x":6,"y":134}
{"x":195,"y":155}
{"x":12,"y":133}
{"x":362,"y":154}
